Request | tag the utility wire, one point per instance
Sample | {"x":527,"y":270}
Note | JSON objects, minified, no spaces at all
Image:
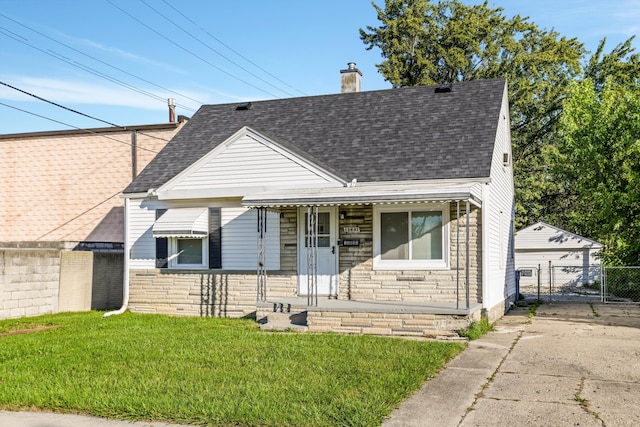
{"x":86,"y":130}
{"x":79,"y":215}
{"x":86,"y":68}
{"x":77,"y":128}
{"x":212,"y":49}
{"x":230,"y":48}
{"x":190,"y":52}
{"x":61,"y":106}
{"x":99,"y":60}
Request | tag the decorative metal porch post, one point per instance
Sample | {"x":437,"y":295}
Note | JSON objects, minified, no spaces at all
{"x":457,"y":254}
{"x":467,"y":254}
{"x":262,"y":269}
{"x":312,"y":255}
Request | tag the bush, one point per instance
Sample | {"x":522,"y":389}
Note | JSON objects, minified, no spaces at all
{"x":623,"y":282}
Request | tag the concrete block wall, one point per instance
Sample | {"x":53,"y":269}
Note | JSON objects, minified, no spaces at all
{"x":359,"y":281}
{"x":29,"y":281}
{"x":35,"y":281}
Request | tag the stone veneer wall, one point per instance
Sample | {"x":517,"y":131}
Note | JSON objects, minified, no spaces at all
{"x":359,"y":281}
{"x":400,"y":324}
{"x":210,"y":293}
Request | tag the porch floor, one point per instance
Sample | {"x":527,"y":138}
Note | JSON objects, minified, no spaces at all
{"x":366,"y":317}
{"x":359,"y":306}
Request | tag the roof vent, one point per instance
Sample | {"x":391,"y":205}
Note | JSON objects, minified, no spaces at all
{"x":444,"y":88}
{"x":243,"y":106}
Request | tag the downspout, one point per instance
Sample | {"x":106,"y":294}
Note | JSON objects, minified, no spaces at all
{"x":125,"y":275}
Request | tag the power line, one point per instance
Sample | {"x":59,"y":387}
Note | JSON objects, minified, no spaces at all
{"x":59,"y":105}
{"x":230,"y":48}
{"x":190,"y":52}
{"x":99,"y":60}
{"x":212,"y":49}
{"x":77,"y":128}
{"x":78,"y":216}
{"x":86,"y":68}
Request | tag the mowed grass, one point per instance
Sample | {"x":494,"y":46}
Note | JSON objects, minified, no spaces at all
{"x":203,"y":371}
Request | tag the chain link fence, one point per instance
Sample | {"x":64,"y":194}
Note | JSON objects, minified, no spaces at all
{"x":621,"y":284}
{"x":560,"y":282}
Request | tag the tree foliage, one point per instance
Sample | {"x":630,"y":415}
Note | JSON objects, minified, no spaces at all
{"x":597,"y":161}
{"x":424,"y":42}
{"x":573,"y":118}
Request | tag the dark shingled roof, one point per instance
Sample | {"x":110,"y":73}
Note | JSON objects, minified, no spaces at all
{"x":411,"y":133}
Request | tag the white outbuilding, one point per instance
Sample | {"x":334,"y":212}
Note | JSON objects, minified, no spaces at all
{"x":560,"y":258}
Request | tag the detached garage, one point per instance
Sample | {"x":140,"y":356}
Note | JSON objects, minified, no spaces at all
{"x":565,"y":259}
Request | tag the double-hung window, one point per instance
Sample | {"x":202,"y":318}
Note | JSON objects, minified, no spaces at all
{"x":188,"y":252}
{"x":182,"y":238}
{"x":411,"y":237}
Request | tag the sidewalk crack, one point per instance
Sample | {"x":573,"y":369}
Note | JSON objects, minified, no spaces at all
{"x":490,"y":379}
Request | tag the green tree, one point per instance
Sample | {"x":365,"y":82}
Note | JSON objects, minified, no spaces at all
{"x":597,"y":164}
{"x":620,"y":66}
{"x":424,"y":42}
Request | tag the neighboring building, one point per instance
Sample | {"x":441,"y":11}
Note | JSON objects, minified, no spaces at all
{"x":394,"y":204}
{"x":558,"y":257}
{"x":61,"y":215}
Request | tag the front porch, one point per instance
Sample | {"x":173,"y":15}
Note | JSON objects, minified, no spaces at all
{"x":432,"y":320}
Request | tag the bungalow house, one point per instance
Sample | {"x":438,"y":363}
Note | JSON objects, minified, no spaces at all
{"x":387,"y":212}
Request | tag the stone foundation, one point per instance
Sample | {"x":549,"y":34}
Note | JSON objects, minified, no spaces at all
{"x":207,"y":293}
{"x":401,"y":324}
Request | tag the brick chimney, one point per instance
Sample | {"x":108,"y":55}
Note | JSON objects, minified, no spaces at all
{"x":350,"y":79}
{"x":171,"y":102}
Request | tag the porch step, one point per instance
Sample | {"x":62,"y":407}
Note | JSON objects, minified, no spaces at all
{"x":285,"y":321}
{"x":284,"y":327}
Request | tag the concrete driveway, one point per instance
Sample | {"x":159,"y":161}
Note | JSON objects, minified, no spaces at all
{"x":570,"y":365}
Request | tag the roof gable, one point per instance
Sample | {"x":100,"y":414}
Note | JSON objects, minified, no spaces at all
{"x":404,"y":134}
{"x":543,"y":235}
{"x":246,"y":162}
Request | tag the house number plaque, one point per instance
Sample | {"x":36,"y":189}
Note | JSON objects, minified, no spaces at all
{"x":351,"y":229}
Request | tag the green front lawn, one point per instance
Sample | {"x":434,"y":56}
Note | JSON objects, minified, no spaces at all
{"x":207,"y":371}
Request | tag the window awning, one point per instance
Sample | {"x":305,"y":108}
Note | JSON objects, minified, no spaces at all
{"x":368,"y":194}
{"x":182,"y":222}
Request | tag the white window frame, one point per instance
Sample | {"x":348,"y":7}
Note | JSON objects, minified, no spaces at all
{"x":173,"y":254}
{"x":431,"y":264}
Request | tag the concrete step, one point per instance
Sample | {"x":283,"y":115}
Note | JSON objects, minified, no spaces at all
{"x":296,"y":318}
{"x":283,"y":327}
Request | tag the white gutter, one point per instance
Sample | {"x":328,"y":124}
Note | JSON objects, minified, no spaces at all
{"x":125,"y":276}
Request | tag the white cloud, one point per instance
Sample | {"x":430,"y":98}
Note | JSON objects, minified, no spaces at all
{"x":78,"y":92}
{"x":128,"y":55}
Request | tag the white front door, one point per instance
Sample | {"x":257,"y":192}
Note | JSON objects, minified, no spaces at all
{"x":327,"y":251}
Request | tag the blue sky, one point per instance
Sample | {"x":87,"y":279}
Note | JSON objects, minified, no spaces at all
{"x":119,"y":60}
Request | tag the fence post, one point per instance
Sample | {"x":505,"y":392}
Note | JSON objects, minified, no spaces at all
{"x":601,"y":283}
{"x":550,"y":282}
{"x":539,"y":270}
